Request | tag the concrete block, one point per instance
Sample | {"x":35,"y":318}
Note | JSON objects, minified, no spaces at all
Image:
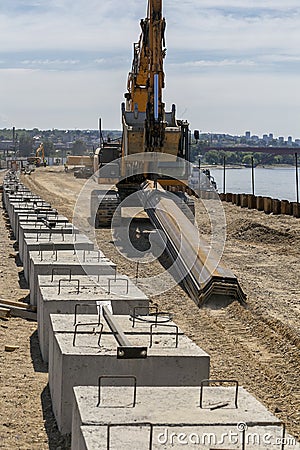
{"x":58,"y":221}
{"x":54,"y":298}
{"x":81,"y":365}
{"x":18,"y":208}
{"x":29,"y":212}
{"x":175,"y":415}
{"x":20,"y":201}
{"x":54,"y":242}
{"x":38,"y":228}
{"x":49,"y":218}
{"x":63,"y":262}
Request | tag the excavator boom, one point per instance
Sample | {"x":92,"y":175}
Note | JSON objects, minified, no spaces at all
{"x":147,"y":127}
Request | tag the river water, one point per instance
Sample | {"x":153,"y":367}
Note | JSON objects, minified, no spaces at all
{"x":275,"y":182}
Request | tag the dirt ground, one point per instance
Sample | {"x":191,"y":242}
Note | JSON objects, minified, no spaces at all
{"x":258,"y":345}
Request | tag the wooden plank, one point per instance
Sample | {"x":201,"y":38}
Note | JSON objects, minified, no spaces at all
{"x":17,"y":304}
{"x":21,"y":312}
{"x":4,"y":313}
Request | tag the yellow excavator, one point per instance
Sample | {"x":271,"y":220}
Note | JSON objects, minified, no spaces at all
{"x":147,"y":126}
{"x":39,"y":158}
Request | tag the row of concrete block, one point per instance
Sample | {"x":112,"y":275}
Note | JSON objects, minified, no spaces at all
{"x":267,"y":204}
{"x":122,"y":375}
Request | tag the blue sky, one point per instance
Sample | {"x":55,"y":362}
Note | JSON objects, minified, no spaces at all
{"x":231,"y":65}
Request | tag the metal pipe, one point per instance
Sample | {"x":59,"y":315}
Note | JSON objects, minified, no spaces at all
{"x":115,"y":328}
{"x":297,"y":178}
{"x":199,"y":167}
{"x":252,"y":175}
{"x":224,"y":173}
{"x":126,"y":349}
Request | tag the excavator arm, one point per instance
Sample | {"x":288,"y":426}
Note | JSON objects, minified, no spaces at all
{"x":40,"y":152}
{"x":146,"y":79}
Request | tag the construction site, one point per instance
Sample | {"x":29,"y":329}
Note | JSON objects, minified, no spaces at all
{"x":137,"y":312}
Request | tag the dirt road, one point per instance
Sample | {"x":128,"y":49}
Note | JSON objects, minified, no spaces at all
{"x":258,"y":345}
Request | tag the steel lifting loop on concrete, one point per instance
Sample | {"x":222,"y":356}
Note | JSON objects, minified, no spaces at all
{"x":115,"y":274}
{"x":114,"y":377}
{"x":115,"y":280}
{"x":78,"y":305}
{"x":163,"y":325}
{"x":54,"y":270}
{"x":51,"y":244}
{"x":206,"y":382}
{"x":87,"y":251}
{"x":69,"y":281}
{"x":164,"y":316}
{"x":135,"y":424}
{"x":135,"y":316}
{"x":86,"y":324}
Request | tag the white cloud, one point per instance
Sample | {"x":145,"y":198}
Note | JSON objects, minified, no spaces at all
{"x":47,"y":99}
{"x":49,"y":62}
{"x":221,"y":63}
{"x":230,"y":63}
{"x":237,"y":102}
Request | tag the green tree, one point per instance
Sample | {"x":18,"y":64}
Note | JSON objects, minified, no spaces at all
{"x":48,"y":147}
{"x":78,"y":147}
{"x":212,"y":157}
{"x":25,"y":145}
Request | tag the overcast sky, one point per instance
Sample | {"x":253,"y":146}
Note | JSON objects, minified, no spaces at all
{"x":231,"y":65}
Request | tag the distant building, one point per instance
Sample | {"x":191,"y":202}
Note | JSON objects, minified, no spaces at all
{"x":281,"y":139}
{"x":271,"y":136}
{"x":248,"y":134}
{"x":6,"y":145}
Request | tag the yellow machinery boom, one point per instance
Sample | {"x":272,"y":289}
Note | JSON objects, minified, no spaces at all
{"x":39,"y":157}
{"x":147,"y":127}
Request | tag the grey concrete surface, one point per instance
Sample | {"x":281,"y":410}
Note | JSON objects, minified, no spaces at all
{"x":54,"y":242}
{"x":17,"y":208}
{"x":83,"y":363}
{"x":64,"y":261}
{"x":44,"y":218}
{"x":177,"y":419}
{"x":37,"y":227}
{"x":51,"y":299}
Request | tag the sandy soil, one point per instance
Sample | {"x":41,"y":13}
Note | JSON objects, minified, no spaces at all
{"x":258,"y":345}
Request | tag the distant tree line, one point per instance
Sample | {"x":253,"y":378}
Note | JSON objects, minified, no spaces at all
{"x":213,"y":157}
